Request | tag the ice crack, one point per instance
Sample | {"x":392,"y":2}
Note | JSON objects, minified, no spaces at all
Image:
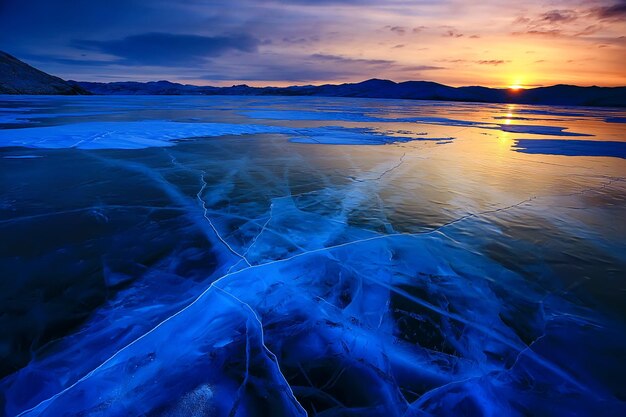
{"x":204,"y":214}
{"x":385,"y":172}
{"x":268,"y":351}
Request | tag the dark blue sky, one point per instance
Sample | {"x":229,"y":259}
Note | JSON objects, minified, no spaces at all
{"x":281,"y":42}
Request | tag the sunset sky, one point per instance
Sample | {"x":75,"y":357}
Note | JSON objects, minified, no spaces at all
{"x":283,"y":42}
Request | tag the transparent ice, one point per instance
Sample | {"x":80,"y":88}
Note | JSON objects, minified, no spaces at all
{"x":291,"y":256}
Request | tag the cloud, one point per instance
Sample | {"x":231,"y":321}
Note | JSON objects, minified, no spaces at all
{"x":73,"y":61}
{"x":550,"y":24}
{"x":571,"y":23}
{"x":399,"y":30}
{"x":314,"y":3}
{"x":494,"y":62}
{"x":549,"y":33}
{"x":271,"y":39}
{"x":422,"y":68}
{"x":453,"y":61}
{"x":168,"y":49}
{"x":589,"y":30}
{"x":558,"y":16}
{"x":549,"y":19}
{"x":276,"y":73}
{"x":614,"y":12}
{"x":300,"y":40}
{"x":346,"y":60}
{"x":309,"y":68}
{"x":296,"y":68}
{"x":452,"y":33}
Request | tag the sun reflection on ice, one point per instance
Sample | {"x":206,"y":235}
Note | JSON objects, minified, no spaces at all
{"x":510,"y":114}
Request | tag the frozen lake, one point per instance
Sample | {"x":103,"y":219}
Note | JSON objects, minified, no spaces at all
{"x":276,"y":256}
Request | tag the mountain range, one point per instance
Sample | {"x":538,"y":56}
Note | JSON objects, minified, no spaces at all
{"x":376,"y":88}
{"x":17,"y":77}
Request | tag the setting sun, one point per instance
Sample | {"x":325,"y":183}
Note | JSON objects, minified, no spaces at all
{"x":515,"y":87}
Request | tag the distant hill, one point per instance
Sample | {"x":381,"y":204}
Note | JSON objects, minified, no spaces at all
{"x":415,"y":90}
{"x":17,"y":77}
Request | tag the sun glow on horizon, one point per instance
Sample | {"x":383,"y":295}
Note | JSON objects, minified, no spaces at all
{"x":517,"y":83}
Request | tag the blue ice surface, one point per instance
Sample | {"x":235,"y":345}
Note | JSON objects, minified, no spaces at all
{"x":427,"y":120}
{"x":211,"y":356}
{"x":540,"y":130}
{"x":22,"y":156}
{"x":232,"y":271}
{"x":354,"y":117}
{"x":145,"y":134}
{"x":29,"y":116}
{"x":571,"y":147}
{"x":347,"y":322}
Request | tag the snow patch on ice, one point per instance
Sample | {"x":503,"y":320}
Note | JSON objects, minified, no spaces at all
{"x":123,"y":135}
